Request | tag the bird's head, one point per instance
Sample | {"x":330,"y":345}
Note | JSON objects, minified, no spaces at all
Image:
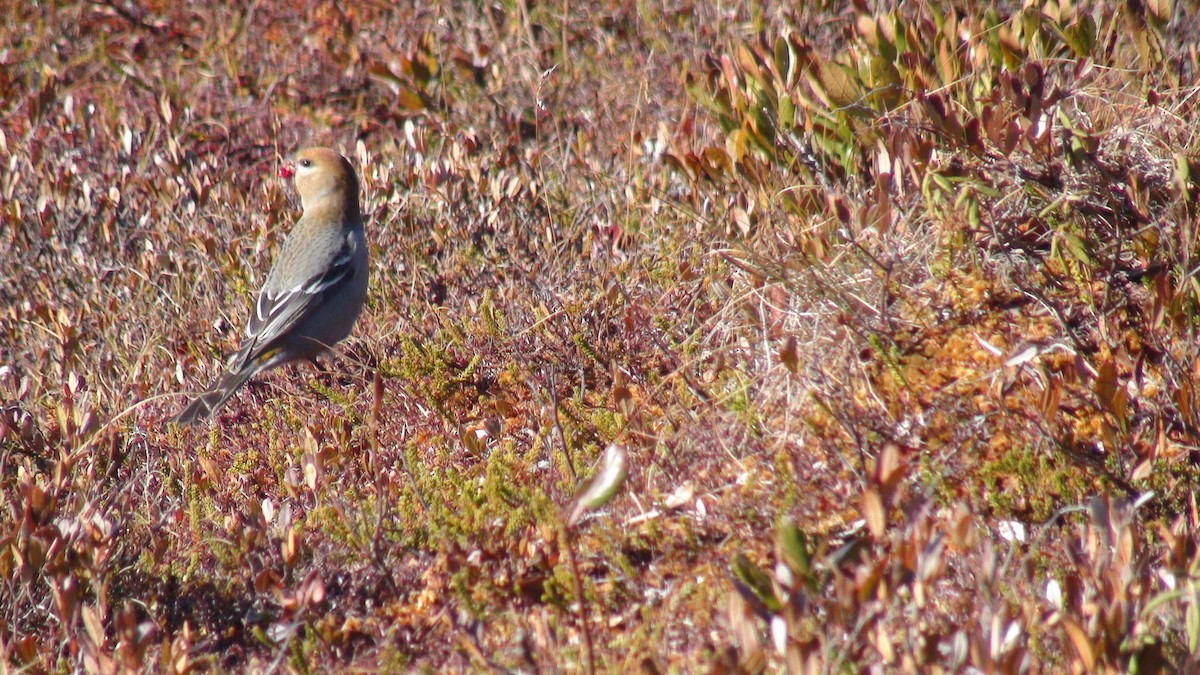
{"x":321,"y":173}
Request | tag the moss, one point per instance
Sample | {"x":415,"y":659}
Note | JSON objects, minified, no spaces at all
{"x":1028,"y":484}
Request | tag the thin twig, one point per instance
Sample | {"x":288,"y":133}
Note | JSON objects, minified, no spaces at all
{"x":589,"y":654}
{"x":562,"y":437}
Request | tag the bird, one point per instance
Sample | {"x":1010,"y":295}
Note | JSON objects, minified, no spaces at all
{"x":317,"y":285}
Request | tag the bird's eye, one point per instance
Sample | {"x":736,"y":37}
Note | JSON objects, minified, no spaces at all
{"x":306,"y":163}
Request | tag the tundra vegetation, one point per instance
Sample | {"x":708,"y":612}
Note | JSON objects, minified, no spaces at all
{"x":872,"y":326}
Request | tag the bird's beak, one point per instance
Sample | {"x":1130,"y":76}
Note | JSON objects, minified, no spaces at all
{"x":287,"y":170}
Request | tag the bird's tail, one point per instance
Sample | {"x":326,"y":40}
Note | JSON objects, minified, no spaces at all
{"x":214,"y":397}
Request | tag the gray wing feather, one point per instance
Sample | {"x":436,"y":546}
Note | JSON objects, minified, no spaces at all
{"x":277,"y":311}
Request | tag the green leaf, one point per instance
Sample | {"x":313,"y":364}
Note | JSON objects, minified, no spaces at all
{"x":797,"y":554}
{"x":757,"y":581}
{"x":1080,"y":36}
{"x":840,"y":84}
{"x":1077,"y":248}
{"x":599,"y":488}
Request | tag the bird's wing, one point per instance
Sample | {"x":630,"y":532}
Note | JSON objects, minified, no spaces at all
{"x":279,"y":310}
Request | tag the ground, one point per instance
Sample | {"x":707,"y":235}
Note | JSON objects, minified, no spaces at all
{"x":700,"y":338}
